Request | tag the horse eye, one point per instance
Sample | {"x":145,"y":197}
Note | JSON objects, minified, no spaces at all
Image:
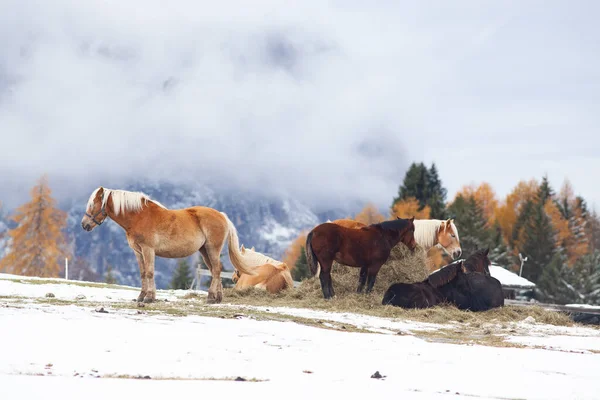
{"x":452,"y":234}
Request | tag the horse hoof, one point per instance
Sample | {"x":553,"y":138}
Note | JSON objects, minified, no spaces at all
{"x":149,"y":300}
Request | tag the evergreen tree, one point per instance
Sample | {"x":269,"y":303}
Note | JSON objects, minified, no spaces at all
{"x":182,"y":277}
{"x":110,"y":277}
{"x":470,"y":222}
{"x":537,"y":242}
{"x":586,"y":278}
{"x":424,"y":185}
{"x":499,"y":252}
{"x":415,"y":184}
{"x":552,"y":285}
{"x":37,"y":244}
{"x":436,"y":194}
{"x":301,"y":270}
{"x":545,"y":192}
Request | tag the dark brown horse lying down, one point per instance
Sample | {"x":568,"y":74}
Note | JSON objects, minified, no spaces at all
{"x":464,"y":283}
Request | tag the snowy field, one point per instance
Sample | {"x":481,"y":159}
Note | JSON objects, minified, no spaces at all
{"x":93,"y":342}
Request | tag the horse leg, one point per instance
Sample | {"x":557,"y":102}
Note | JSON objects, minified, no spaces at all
{"x":213,"y":261}
{"x":148,"y":255}
{"x":371,"y":275}
{"x":362,"y":279}
{"x":325,"y":278}
{"x":144,"y":281}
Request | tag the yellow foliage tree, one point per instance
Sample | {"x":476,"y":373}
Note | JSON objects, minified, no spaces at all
{"x":369,"y":215}
{"x":506,"y":213}
{"x":37,"y":244}
{"x":292,"y":253}
{"x":409,"y":208}
{"x":485,"y":196}
{"x":570,"y":222}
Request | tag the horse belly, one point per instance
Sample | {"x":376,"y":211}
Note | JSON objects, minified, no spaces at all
{"x":178,"y":247}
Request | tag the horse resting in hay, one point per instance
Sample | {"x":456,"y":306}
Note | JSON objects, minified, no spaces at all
{"x":271,"y":275}
{"x":464,"y":283}
{"x":367,"y":248}
{"x":153,"y":230}
{"x":429,"y":233}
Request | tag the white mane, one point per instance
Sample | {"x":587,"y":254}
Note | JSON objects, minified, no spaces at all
{"x":123,"y":200}
{"x":425,"y":231}
{"x":255,"y":259}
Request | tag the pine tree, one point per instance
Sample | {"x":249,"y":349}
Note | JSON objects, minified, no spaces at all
{"x":552,"y":285}
{"x":537,"y":242}
{"x":424,"y":185}
{"x":301,"y":270}
{"x":182,"y":277}
{"x":110,"y":277}
{"x":545,"y":192}
{"x":586,"y":278}
{"x":414,"y":184}
{"x":436,"y":194}
{"x":470,"y":222}
{"x":499,"y":252}
{"x":81,"y":270}
{"x":38,"y":245}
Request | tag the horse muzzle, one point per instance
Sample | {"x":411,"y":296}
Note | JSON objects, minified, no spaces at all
{"x":457,"y":253}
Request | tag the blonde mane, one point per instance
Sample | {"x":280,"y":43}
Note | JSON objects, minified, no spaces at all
{"x":123,"y":200}
{"x":254,"y":258}
{"x":425,"y":231}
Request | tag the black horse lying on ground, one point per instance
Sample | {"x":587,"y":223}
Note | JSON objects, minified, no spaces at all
{"x":464,"y":283}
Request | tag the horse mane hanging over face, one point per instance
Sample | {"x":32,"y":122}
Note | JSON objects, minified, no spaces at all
{"x":445,"y":274}
{"x":123,"y":200}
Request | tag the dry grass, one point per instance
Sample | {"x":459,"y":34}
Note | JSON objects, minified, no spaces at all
{"x":309,"y":295}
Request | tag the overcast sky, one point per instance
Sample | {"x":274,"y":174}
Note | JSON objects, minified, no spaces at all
{"x":325,"y":102}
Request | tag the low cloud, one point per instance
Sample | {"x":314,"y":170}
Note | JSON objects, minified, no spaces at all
{"x":323,"y":102}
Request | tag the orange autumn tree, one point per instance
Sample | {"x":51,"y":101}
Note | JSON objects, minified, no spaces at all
{"x":485,"y":197}
{"x":569,"y":222}
{"x":369,"y":215}
{"x":37,"y":245}
{"x":409,"y":208}
{"x":507,"y":212}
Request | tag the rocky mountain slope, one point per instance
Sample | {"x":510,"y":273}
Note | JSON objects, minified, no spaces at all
{"x":269,"y":224}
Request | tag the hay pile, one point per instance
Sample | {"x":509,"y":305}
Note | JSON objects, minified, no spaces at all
{"x":403,"y":266}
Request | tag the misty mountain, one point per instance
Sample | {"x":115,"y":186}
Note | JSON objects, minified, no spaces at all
{"x":267,"y":223}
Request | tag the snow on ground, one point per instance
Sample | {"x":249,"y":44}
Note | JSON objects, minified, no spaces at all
{"x":71,"y":352}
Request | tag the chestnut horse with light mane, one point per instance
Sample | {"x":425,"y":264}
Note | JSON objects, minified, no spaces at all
{"x":153,"y":230}
{"x":428,"y":233}
{"x":271,"y":275}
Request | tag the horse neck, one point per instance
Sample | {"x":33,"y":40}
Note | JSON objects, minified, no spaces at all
{"x":125,"y":219}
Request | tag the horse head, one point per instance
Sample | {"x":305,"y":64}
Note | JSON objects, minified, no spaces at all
{"x":478,"y":262}
{"x":235,"y":275}
{"x":95,"y":212}
{"x":447,"y":237}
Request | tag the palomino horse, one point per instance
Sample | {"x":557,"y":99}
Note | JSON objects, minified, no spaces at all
{"x":464,"y":283}
{"x":367,"y":248}
{"x":428,"y":233}
{"x":153,"y":230}
{"x":271,"y":275}
{"x":437,"y":257}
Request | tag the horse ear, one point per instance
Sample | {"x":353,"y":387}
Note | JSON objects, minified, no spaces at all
{"x":243,"y":248}
{"x":412,"y":219}
{"x":448,"y":223}
{"x":486,"y":251}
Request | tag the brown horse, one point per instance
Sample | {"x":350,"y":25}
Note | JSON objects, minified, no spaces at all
{"x":367,"y":248}
{"x":272,"y":275}
{"x":153,"y":230}
{"x":428,"y":233}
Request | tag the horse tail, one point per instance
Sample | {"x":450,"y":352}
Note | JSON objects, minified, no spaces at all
{"x":311,"y":257}
{"x":235,"y":255}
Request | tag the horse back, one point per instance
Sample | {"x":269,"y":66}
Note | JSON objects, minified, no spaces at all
{"x":412,"y":295}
